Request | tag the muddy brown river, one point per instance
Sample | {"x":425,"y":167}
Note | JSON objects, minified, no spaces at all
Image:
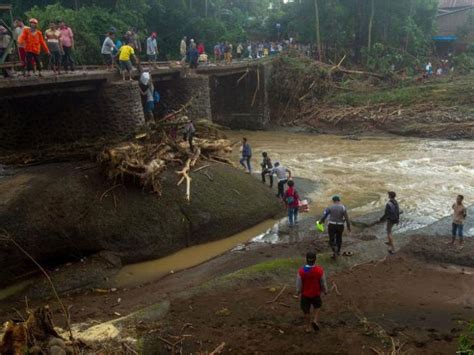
{"x":426,"y":174}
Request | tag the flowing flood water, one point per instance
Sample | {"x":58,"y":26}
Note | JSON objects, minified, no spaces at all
{"x":426,"y":174}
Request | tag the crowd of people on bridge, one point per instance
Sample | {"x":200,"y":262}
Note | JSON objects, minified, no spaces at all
{"x":57,"y":42}
{"x":122,"y":51}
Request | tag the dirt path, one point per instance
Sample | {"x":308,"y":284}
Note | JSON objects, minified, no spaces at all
{"x":418,"y":305}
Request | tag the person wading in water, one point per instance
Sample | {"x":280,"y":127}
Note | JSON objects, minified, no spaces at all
{"x":292,"y":201}
{"x":337,"y":214}
{"x":246,"y":156}
{"x":392,"y":216}
{"x":310,"y":283}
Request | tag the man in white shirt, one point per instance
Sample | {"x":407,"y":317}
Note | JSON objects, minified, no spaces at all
{"x":281,"y":172}
{"x":152,"y":48}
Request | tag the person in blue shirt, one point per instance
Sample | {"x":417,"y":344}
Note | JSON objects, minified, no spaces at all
{"x":246,"y":156}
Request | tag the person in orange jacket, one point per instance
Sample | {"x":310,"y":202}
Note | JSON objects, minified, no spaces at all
{"x":33,"y":41}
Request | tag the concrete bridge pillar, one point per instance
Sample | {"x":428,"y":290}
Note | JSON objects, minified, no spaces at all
{"x":181,"y":91}
{"x":52,"y":114}
{"x":120,"y":104}
{"x":240,"y":99}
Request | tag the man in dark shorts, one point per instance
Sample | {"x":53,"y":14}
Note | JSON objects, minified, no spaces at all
{"x":310,"y":282}
{"x":392,"y":216}
{"x":337,"y":216}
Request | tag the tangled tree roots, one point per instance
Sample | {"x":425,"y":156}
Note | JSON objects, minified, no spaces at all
{"x":34,"y":336}
{"x":145,"y":161}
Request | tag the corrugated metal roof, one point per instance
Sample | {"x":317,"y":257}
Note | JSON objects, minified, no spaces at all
{"x":449,"y":4}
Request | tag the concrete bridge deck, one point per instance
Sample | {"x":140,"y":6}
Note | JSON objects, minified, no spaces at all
{"x":94,"y":102}
{"x":163,"y":71}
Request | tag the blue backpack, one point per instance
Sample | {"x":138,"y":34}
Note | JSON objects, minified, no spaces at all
{"x":156,"y":97}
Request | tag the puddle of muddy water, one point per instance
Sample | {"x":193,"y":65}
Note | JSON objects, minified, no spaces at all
{"x":137,"y":274}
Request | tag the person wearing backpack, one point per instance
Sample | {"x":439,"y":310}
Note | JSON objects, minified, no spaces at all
{"x":147,"y":90}
{"x":392,"y":217}
{"x":291,"y":199}
{"x":337,"y":216}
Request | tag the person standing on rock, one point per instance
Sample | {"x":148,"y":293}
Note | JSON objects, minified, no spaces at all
{"x":459,"y":216}
{"x":392,"y":217}
{"x":292,"y":201}
{"x":280,"y":172}
{"x":310,"y":283}
{"x":246,"y":156}
{"x":267,"y":167}
{"x":337,"y":216}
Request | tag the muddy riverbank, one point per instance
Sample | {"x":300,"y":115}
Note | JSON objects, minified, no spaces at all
{"x":65,"y":212}
{"x":227,"y":300}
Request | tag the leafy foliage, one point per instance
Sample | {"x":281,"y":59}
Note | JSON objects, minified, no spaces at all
{"x":466,"y":341}
{"x":400,"y":33}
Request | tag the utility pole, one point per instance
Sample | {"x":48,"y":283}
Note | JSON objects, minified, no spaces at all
{"x":206,"y":5}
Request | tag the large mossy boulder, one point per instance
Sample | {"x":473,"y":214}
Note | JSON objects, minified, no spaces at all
{"x":59,"y":212}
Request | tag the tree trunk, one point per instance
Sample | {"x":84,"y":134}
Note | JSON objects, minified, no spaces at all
{"x":371,"y":22}
{"x":318,"y":31}
{"x":410,"y":15}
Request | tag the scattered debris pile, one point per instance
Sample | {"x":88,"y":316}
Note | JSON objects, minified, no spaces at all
{"x":372,"y":115}
{"x":36,"y":335}
{"x":144,"y":160}
{"x":300,"y":84}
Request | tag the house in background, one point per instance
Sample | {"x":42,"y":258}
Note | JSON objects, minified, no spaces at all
{"x":455,"y":23}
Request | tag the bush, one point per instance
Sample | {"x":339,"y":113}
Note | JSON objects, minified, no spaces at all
{"x":463,"y":63}
{"x":466,"y":341}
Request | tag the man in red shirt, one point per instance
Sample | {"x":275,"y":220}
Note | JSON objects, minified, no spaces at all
{"x":310,"y":282}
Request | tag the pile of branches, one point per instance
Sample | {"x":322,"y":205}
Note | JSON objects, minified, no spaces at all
{"x":372,"y":115}
{"x":35,"y":335}
{"x":299,"y":83}
{"x":144,"y":160}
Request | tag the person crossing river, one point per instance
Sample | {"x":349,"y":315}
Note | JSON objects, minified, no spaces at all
{"x":338,"y":216}
{"x":267,"y":167}
{"x":281,"y":172}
